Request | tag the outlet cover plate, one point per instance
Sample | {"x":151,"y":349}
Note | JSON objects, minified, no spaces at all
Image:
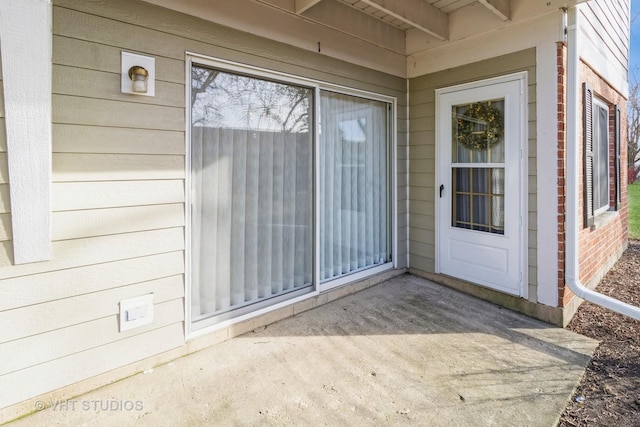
{"x":136,"y":312}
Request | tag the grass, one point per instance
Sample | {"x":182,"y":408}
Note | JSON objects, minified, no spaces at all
{"x":634,"y":211}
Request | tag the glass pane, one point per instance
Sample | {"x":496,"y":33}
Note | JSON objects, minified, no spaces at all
{"x":478,"y":132}
{"x":463,"y":210}
{"x":463,"y":179}
{"x":601,"y":146}
{"x":481,"y":180}
{"x":251,"y":169}
{"x":479,"y":199}
{"x":354,"y":184}
{"x":481,"y":205}
{"x":497,"y":213}
{"x":497,"y":181}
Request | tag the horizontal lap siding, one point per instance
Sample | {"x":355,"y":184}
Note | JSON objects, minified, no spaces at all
{"x":118,"y":190}
{"x":5,"y":202}
{"x":5,"y":208}
{"x":117,"y":222}
{"x":605,"y":28}
{"x":604,"y":40}
{"x":422,"y":151}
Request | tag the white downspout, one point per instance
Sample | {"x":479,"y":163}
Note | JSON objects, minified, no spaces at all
{"x":572,"y":276}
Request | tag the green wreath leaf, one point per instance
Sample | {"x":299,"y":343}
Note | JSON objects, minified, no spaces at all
{"x":480,"y":127}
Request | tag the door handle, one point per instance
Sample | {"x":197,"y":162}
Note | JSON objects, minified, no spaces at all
{"x":441,"y":189}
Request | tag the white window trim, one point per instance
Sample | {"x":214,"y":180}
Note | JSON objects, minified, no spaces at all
{"x":317,"y":86}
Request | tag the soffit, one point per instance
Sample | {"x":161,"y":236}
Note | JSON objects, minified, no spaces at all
{"x":433,"y":21}
{"x":379,"y":34}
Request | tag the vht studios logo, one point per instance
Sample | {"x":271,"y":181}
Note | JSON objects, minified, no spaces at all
{"x":96,"y":405}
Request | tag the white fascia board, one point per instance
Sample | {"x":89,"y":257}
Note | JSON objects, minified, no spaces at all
{"x":547,"y":173}
{"x":26,"y":49}
{"x":511,"y":38}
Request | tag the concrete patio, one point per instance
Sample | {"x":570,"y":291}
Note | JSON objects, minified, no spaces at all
{"x":404,"y":352}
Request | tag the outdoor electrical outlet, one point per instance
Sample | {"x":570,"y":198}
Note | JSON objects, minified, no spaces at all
{"x":135,"y":312}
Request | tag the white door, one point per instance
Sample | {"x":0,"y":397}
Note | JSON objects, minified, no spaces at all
{"x":479,"y":186}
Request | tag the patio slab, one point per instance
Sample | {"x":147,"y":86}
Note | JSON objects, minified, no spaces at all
{"x":404,"y":352}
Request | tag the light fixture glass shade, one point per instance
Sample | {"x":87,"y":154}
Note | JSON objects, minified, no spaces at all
{"x":138,"y":76}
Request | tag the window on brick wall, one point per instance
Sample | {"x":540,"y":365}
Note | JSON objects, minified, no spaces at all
{"x":601,"y":184}
{"x":601,"y":156}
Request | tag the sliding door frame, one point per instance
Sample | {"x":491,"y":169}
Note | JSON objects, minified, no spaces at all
{"x":317,"y":285}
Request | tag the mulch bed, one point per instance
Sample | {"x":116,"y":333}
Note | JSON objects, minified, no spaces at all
{"x":609,"y":393}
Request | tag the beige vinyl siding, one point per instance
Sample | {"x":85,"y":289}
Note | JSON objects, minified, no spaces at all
{"x":73,"y":138}
{"x":3,"y":131}
{"x":5,"y":208}
{"x":93,"y":278}
{"x":118,"y":190}
{"x":4,"y":173}
{"x":422,"y":153}
{"x":5,"y":201}
{"x":106,"y":194}
{"x":57,"y":314}
{"x":101,"y":222}
{"x":5,"y":226}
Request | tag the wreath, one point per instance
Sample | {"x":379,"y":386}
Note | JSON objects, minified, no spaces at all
{"x":480,"y":127}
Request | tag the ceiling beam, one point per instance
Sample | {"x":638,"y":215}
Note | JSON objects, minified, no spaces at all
{"x":355,"y":23}
{"x":417,"y":13}
{"x":304,"y":5}
{"x":501,"y":8}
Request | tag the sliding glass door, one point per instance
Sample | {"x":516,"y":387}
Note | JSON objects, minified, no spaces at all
{"x":353,"y":196}
{"x":251,"y":181}
{"x":281,"y":198}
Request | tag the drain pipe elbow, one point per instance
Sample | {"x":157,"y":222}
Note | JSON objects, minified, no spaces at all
{"x":572,"y":276}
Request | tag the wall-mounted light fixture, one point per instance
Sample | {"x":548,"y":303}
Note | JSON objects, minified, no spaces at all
{"x":138,"y":74}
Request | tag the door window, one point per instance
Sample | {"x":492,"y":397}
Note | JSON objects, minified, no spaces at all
{"x":478,"y":166}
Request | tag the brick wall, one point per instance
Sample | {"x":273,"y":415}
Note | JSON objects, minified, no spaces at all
{"x":600,"y":245}
{"x":561,"y":63}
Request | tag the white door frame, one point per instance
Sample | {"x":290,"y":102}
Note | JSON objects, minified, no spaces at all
{"x":520,"y":77}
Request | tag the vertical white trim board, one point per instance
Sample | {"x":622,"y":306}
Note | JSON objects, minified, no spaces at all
{"x":25,"y":45}
{"x":547,"y":173}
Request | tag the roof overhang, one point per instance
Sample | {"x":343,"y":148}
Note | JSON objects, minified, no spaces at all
{"x":393,"y":30}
